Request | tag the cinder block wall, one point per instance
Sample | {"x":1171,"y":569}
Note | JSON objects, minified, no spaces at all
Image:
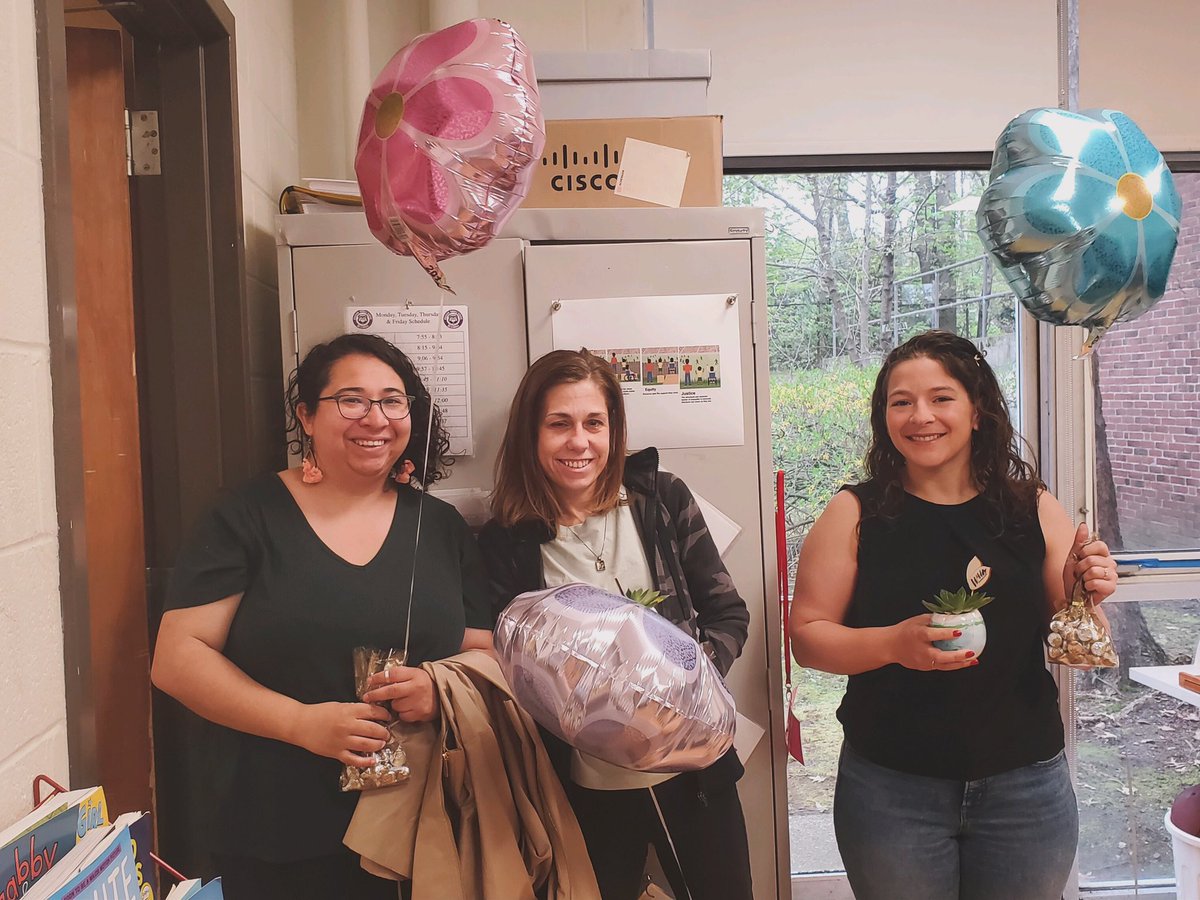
{"x":266,"y":71}
{"x":32,"y":705}
{"x":33,"y":738}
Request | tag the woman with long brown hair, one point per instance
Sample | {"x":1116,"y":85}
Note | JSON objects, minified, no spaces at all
{"x":953,"y":781}
{"x":570,"y":506}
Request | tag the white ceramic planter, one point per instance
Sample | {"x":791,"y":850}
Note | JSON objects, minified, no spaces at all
{"x":974,"y":632}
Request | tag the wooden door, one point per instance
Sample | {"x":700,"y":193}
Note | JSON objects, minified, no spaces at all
{"x":116,"y":568}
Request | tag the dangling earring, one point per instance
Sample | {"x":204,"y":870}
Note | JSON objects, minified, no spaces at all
{"x":403,"y":475}
{"x":310,"y":472}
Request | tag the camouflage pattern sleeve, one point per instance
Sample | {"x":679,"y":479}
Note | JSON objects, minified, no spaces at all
{"x":721,"y":613}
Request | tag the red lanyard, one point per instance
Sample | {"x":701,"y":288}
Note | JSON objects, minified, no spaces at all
{"x":794,"y":743}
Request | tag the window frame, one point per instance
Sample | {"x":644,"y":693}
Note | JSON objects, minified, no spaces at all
{"x":1069,"y":470}
{"x":1056,"y":412}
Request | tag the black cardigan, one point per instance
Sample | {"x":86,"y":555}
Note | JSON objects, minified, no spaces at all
{"x":699,"y":594}
{"x":687,"y":569}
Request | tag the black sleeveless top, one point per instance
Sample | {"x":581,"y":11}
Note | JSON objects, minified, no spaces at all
{"x":970,"y":723}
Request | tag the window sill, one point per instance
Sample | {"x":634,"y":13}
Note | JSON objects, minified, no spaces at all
{"x":1156,"y":586}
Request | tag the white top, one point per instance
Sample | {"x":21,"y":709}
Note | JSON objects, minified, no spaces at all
{"x":613,"y":537}
{"x":571,"y":557}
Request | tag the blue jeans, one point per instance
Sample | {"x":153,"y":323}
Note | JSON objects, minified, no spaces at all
{"x":909,"y":837}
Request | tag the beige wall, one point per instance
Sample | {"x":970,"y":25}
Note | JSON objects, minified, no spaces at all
{"x":342,"y":46}
{"x":790,"y":76}
{"x":872,"y":76}
{"x":561,"y":26}
{"x":32,"y":703}
{"x":329,"y":39}
{"x":1141,"y":59}
{"x":32,"y":708}
{"x":267,"y":120}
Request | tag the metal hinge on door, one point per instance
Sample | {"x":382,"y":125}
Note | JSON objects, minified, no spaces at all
{"x":142,"y":155}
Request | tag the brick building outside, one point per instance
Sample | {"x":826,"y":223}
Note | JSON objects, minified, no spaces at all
{"x":1150,"y":402}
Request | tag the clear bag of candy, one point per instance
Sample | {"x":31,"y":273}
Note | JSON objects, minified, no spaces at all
{"x":1078,"y":637}
{"x":391,"y":763}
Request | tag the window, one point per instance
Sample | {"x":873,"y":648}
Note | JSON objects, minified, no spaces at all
{"x":857,"y":263}
{"x":1137,"y":748}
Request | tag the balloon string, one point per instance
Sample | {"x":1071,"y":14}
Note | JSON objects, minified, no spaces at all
{"x":670,"y":843}
{"x":437,"y":356}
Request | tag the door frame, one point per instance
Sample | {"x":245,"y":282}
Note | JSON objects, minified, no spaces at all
{"x":190,"y":310}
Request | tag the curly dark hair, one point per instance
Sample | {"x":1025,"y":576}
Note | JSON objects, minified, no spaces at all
{"x":1010,"y":483}
{"x":310,"y":379}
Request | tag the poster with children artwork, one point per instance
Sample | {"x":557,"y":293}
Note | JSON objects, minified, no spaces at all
{"x":702,"y":366}
{"x":677,"y":359}
{"x":625,"y":365}
{"x":660,"y":370}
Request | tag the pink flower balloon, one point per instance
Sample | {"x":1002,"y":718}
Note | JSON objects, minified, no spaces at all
{"x":448,"y":135}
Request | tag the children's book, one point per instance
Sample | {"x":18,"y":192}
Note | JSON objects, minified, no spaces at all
{"x":211,"y":891}
{"x":192,"y":890}
{"x":89,"y":798}
{"x":39,"y":840}
{"x":102,"y":866}
{"x":141,"y":833}
{"x":185,"y":890}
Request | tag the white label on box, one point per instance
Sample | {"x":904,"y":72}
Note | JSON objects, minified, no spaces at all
{"x":652,"y":172}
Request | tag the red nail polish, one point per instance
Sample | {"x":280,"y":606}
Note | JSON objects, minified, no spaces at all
{"x":970,"y":653}
{"x":974,"y":662}
{"x":957,"y":634}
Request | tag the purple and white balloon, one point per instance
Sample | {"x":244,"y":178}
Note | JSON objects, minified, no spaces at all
{"x":614,"y":679}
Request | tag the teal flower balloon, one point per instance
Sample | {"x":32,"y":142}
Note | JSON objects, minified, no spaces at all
{"x":1082,"y":216}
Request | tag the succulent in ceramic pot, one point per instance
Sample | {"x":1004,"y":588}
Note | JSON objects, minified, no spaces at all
{"x":959,"y":611}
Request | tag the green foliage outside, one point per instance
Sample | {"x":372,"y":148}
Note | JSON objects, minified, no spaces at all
{"x":848,"y":277}
{"x":819,"y":430}
{"x":857,"y":263}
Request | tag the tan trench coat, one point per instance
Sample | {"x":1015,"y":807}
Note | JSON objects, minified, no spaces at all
{"x":483,"y":816}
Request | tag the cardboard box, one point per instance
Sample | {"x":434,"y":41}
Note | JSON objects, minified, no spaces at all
{"x":582,"y":157}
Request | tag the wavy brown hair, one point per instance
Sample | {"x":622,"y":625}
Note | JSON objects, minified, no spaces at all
{"x":1000,"y":474}
{"x":523,"y":491}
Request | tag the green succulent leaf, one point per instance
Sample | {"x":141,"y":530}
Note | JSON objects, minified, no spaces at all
{"x":645,"y":597}
{"x":957,"y":602}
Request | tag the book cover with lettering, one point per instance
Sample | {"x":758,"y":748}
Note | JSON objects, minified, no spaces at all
{"x":42,"y":840}
{"x":141,"y":832}
{"x":110,"y":873}
{"x":102,"y":866}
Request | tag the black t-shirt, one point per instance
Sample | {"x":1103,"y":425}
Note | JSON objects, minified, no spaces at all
{"x":968,"y":723}
{"x":303,"y":611}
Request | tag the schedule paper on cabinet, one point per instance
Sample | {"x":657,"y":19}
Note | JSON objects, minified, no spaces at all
{"x":442,"y":357}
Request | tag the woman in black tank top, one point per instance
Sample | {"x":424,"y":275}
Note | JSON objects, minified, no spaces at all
{"x":952,"y":782}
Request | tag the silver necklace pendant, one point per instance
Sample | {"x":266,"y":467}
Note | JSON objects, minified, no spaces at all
{"x":599,"y":557}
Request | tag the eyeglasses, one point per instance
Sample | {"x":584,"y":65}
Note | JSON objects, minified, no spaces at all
{"x":351,"y":406}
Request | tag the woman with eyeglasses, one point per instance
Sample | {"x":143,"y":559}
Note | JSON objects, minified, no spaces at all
{"x":282,"y":580}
